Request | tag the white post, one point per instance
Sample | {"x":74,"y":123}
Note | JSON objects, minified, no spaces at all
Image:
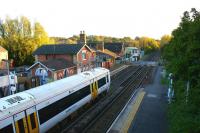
{"x":170,"y":89}
{"x":187,"y":91}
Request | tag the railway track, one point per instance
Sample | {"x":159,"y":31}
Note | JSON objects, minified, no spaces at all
{"x":121,"y":77}
{"x":116,"y":80}
{"x":99,"y":118}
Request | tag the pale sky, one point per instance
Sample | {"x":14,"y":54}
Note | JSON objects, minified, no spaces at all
{"x":117,"y":18}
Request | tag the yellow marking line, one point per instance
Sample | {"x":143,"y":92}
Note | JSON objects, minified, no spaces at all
{"x":133,"y":112}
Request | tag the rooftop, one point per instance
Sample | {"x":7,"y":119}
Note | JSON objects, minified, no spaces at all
{"x":58,"y":49}
{"x":54,"y":64}
{"x":114,"y":47}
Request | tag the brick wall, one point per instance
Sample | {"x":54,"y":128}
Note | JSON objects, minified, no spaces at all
{"x":59,"y":56}
{"x":88,"y":55}
{"x":66,"y":57}
{"x":84,"y":64}
{"x":40,"y":57}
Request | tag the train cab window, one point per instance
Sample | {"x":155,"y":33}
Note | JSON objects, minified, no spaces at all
{"x":33,"y":124}
{"x":21,"y":126}
{"x":101,"y":82}
{"x":7,"y":129}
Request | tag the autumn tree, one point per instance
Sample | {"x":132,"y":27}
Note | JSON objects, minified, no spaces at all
{"x":40,"y":35}
{"x":21,"y":39}
{"x":165,"y":40}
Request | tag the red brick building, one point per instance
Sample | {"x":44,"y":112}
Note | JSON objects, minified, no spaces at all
{"x":76,"y":56}
{"x":104,"y":57}
{"x":117,"y":48}
{"x":56,"y":68}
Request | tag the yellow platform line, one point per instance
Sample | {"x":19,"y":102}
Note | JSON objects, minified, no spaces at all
{"x":132,"y":113}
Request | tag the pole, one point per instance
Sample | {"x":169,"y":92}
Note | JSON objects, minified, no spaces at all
{"x":7,"y":65}
{"x":7,"y":62}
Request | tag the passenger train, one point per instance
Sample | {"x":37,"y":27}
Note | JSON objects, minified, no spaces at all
{"x":40,"y":108}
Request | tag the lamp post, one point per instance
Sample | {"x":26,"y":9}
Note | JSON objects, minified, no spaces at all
{"x":7,"y":65}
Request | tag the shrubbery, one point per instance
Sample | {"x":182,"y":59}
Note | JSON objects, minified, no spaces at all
{"x":182,"y":58}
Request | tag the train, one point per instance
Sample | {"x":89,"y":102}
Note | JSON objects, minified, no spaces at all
{"x":40,"y":108}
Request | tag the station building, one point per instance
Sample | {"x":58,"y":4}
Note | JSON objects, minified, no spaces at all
{"x":132,"y":54}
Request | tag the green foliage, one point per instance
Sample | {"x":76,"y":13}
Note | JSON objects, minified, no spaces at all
{"x":164,"y":81}
{"x":165,"y":40}
{"x":20,"y":39}
{"x":181,"y":57}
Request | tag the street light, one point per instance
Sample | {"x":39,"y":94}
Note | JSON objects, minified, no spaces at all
{"x":7,"y":65}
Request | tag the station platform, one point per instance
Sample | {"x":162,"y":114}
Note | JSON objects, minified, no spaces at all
{"x":146,"y":111}
{"x":146,"y":63}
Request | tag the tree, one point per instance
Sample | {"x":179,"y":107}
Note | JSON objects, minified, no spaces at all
{"x":40,"y":36}
{"x":182,"y":59}
{"x":19,"y":38}
{"x":165,"y":40}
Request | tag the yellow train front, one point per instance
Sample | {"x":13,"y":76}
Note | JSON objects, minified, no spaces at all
{"x":40,"y":108}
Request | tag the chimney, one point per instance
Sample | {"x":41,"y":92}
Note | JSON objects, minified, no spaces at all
{"x":82,"y":38}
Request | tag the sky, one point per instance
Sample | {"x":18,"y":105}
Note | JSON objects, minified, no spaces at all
{"x":116,"y":18}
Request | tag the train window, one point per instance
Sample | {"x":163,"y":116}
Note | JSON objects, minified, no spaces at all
{"x":101,"y":82}
{"x":33,"y":124}
{"x":7,"y":129}
{"x":21,"y":126}
{"x":53,"y":109}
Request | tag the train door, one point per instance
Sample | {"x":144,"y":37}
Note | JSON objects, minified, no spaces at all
{"x":20,"y":123}
{"x":94,"y":89}
{"x":32,"y":120}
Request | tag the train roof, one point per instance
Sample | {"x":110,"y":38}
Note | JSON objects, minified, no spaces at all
{"x":10,"y":104}
{"x":22,"y":100}
{"x":66,"y":84}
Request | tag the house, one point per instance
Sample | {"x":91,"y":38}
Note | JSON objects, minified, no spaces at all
{"x":117,"y":48}
{"x":132,"y":54}
{"x":55,"y":68}
{"x":80,"y":55}
{"x":77,"y":54}
{"x":104,"y":57}
{"x":3,"y":55}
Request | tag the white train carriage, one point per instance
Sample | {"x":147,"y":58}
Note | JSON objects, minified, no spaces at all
{"x":40,"y":108}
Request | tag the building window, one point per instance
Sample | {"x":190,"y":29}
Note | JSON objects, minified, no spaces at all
{"x":84,"y":55}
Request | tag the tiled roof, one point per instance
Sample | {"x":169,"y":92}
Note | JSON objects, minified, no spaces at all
{"x":2,"y":49}
{"x":58,"y":49}
{"x":114,"y":47}
{"x":57,"y":64}
{"x":94,"y":45}
{"x":106,"y":51}
{"x":102,"y":53}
